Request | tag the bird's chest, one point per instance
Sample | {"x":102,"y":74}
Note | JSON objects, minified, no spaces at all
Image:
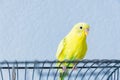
{"x":75,"y":46}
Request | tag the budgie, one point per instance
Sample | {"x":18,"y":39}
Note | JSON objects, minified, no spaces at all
{"x":72,"y":47}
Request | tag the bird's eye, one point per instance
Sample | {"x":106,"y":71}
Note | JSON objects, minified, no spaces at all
{"x":80,"y":27}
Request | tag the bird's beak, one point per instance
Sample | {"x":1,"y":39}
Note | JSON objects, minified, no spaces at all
{"x":86,"y":31}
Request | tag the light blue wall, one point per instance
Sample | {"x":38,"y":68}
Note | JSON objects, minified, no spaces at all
{"x":32,"y":29}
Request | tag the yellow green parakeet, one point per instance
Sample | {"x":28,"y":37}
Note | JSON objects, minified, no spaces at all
{"x":73,"y":46}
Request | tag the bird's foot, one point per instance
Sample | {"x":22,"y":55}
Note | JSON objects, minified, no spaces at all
{"x":64,"y":68}
{"x":74,"y":68}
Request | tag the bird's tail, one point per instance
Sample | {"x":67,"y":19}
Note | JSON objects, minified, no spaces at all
{"x":63,"y":74}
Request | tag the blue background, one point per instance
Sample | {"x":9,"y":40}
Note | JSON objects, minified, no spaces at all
{"x":32,"y":29}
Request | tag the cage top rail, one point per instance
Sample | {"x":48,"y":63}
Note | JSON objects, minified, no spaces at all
{"x":23,"y":64}
{"x":66,"y":61}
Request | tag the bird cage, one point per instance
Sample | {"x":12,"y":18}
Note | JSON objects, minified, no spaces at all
{"x":47,"y":70}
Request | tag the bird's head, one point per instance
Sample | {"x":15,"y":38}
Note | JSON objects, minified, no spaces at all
{"x":81,"y":28}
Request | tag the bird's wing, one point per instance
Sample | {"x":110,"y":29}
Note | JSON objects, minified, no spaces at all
{"x":60,"y":49}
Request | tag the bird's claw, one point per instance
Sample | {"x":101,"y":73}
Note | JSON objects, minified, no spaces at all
{"x":74,"y":68}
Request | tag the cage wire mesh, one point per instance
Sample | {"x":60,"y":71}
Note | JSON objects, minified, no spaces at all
{"x":47,"y":70}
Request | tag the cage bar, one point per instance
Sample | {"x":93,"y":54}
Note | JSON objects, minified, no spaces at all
{"x":48,"y":70}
